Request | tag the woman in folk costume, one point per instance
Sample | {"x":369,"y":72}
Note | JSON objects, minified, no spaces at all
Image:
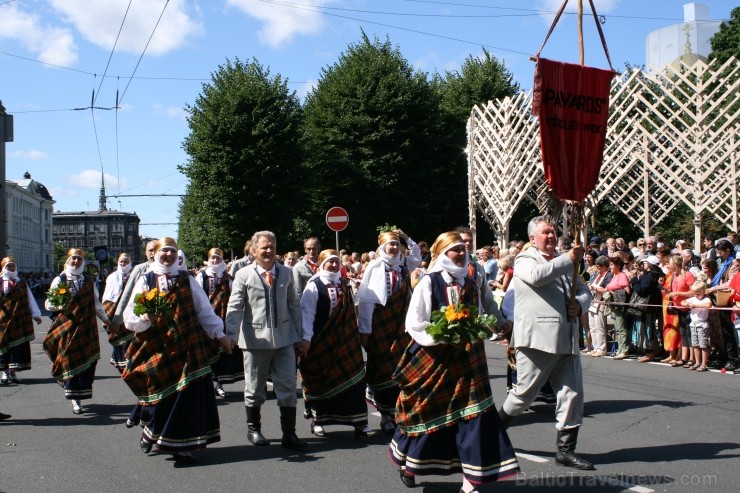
{"x":216,"y":283}
{"x":18,"y":311}
{"x":72,"y":343}
{"x":169,"y":362}
{"x":333,"y":368}
{"x":114,"y":285}
{"x":447,"y":420}
{"x":384,"y":296}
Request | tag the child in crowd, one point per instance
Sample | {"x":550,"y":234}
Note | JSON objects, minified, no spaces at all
{"x":700,"y":305}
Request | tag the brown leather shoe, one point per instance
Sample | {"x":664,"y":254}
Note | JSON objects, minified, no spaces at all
{"x":621,"y":356}
{"x":646,"y":358}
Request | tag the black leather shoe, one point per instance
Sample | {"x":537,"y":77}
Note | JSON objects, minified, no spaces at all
{"x":389,"y":427}
{"x":570,"y":459}
{"x":256,"y":437}
{"x":364,"y":432}
{"x":185,"y":458}
{"x":146,"y":446}
{"x":408,"y":480}
{"x":318,"y":430}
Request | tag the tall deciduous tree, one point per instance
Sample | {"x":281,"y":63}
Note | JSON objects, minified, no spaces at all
{"x":372,"y":133}
{"x":479,"y":80}
{"x":244,"y":162}
{"x":726,"y":42}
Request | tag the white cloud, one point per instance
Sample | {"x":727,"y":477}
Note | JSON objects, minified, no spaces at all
{"x":282,"y":23}
{"x":30,"y":155}
{"x":305,"y":88}
{"x":99,"y":22}
{"x":51,"y":44}
{"x":90,"y":178}
{"x":174,"y":112}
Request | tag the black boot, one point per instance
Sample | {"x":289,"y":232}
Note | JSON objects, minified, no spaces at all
{"x":254,"y":435}
{"x":566,"y":455}
{"x":287,"y":425}
{"x":505,"y":418}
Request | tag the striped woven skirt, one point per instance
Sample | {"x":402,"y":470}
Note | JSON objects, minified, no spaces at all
{"x":79,"y":387}
{"x":345,"y":408}
{"x":185,"y":420}
{"x":17,"y":359}
{"x":479,"y":448}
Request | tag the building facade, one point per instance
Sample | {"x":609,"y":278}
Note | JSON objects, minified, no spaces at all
{"x":29,"y":222}
{"x":114,"y":232}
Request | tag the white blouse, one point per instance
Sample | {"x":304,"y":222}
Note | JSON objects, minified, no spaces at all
{"x":309,"y":301}
{"x":211,"y":323}
{"x":99,"y":310}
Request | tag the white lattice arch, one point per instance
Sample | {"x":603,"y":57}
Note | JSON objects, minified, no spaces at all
{"x":671,"y":138}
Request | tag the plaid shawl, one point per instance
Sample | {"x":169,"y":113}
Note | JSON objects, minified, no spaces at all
{"x":72,"y":343}
{"x":123,"y":336}
{"x":386,"y":344}
{"x":219,"y":298}
{"x":334,"y":361}
{"x":442,"y":384}
{"x":166,"y":358}
{"x":16,"y":323}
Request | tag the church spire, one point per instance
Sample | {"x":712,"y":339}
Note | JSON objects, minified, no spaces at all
{"x":101,"y":205}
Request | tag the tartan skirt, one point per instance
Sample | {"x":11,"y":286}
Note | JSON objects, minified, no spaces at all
{"x":17,"y":359}
{"x":79,"y":386}
{"x":182,"y":421}
{"x":346,"y":408}
{"x":229,"y":368}
{"x":118,"y":356}
{"x":479,"y":448}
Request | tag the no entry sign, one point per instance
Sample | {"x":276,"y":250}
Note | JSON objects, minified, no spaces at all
{"x":337,"y":219}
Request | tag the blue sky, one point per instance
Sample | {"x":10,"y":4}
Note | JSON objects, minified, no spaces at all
{"x":53,"y":54}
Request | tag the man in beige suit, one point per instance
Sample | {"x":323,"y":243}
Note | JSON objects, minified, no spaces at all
{"x":266,"y":313}
{"x":546,"y":335}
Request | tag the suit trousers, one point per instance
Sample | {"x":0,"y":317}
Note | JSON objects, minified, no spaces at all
{"x":281,"y":365}
{"x":534,"y":368}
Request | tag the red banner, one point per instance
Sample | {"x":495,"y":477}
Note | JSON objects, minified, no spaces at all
{"x":572,"y":102}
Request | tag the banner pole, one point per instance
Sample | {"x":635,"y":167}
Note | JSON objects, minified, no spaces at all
{"x":580,"y":31}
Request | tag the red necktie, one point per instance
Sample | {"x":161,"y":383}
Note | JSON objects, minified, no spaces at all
{"x":471,"y":270}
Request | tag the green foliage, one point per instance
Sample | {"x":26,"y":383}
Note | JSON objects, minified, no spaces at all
{"x":386,"y":228}
{"x":611,"y":222}
{"x":726,"y":42}
{"x":371,"y":134}
{"x":245,"y":160}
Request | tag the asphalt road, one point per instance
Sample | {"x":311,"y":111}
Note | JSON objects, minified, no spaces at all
{"x":648,"y":427}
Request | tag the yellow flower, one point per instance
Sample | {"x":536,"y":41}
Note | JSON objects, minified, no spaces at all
{"x":151,"y":294}
{"x":62,"y":291}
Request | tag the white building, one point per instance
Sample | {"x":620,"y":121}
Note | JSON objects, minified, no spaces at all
{"x":687,"y":40}
{"x":29,"y":210}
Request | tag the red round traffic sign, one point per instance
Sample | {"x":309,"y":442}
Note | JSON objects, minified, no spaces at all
{"x":337,"y":219}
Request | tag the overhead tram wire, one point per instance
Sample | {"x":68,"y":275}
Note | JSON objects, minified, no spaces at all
{"x":115,"y":43}
{"x":144,"y":50}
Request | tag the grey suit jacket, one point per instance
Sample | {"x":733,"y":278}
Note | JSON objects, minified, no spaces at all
{"x":301,"y":274}
{"x":128,"y":290}
{"x":249,"y":312}
{"x":542,"y":292}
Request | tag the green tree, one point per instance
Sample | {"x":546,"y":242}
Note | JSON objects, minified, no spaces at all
{"x":480,"y":79}
{"x":726,"y":42}
{"x":245,"y":160}
{"x":371,"y":134}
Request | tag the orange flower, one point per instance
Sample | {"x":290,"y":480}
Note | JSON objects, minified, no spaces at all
{"x":62,"y":291}
{"x":465,"y":313}
{"x":151,"y":294}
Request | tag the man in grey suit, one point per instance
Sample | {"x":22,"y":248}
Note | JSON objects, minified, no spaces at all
{"x":306,"y":268}
{"x":244,"y":261}
{"x":266,"y":313}
{"x":128,"y":290}
{"x":545,"y":335}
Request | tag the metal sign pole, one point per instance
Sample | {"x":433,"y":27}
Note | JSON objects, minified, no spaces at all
{"x":6,"y":135}
{"x":337,"y":235}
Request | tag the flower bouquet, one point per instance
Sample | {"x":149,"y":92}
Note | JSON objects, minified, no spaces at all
{"x":152,"y":301}
{"x":59,"y":296}
{"x":459,"y":324}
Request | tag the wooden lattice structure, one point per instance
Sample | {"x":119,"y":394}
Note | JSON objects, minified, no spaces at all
{"x":672,"y":138}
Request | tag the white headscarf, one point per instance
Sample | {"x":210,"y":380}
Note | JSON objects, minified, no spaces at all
{"x":443,"y":263}
{"x":326,"y":275}
{"x":10,"y":275}
{"x":125,"y":269}
{"x":184,"y":265}
{"x":71,"y":271}
{"x":159,"y":268}
{"x":216,"y":270}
